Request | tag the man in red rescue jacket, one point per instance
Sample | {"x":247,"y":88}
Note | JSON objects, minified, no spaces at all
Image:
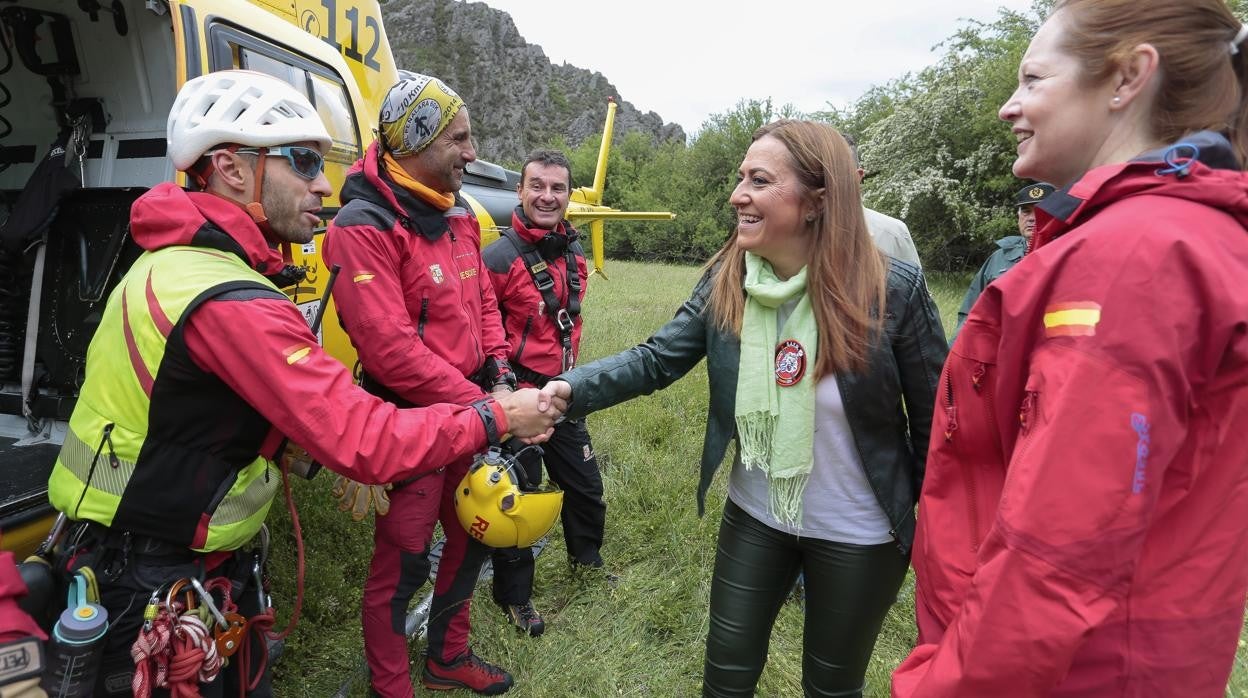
{"x":538,"y":272}
{"x":425,"y":322}
{"x":201,"y":367}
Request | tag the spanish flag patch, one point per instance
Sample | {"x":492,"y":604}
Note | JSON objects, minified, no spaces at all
{"x":296,"y":353}
{"x":1077,"y":319}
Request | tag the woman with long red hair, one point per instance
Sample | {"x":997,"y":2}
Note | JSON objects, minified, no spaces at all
{"x":822,"y":355}
{"x":1083,"y":529}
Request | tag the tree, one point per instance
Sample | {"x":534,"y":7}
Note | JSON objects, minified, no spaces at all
{"x":935,"y":152}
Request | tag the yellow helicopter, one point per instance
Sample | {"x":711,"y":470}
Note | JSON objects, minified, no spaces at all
{"x":112,"y":69}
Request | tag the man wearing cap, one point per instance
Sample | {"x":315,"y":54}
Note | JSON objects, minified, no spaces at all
{"x":417,"y":306}
{"x":201,"y":368}
{"x":1010,"y":249}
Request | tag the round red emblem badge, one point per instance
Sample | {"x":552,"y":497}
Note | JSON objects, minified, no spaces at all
{"x":790,"y":363}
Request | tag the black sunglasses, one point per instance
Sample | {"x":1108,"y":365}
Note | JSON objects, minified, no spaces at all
{"x":306,"y":162}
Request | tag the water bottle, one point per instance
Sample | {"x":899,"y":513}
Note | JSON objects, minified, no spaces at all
{"x":75,"y":645}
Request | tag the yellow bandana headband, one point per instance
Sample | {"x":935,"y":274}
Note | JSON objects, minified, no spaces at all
{"x":415,"y":111}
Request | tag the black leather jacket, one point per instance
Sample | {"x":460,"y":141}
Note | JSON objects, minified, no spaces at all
{"x":889,"y":407}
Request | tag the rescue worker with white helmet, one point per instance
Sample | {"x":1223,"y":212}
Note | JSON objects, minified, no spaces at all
{"x":202,"y":370}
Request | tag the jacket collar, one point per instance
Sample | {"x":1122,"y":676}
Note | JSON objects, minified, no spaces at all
{"x":368,"y":181}
{"x":167,"y":215}
{"x":1212,"y":177}
{"x":531,"y":234}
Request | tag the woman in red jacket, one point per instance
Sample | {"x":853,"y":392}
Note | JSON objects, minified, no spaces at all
{"x":1082,"y":525}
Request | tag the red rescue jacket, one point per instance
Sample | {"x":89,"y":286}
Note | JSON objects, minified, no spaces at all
{"x":535,"y":339}
{"x":1083,"y":524}
{"x":313,"y":401}
{"x":411,"y":294}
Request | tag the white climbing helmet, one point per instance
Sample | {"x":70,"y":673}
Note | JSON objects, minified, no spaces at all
{"x":242,"y":107}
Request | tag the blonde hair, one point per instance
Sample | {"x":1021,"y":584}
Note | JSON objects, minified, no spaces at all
{"x":846,"y":272}
{"x":1202,"y":81}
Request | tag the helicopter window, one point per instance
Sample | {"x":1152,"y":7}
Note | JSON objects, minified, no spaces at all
{"x":251,"y":60}
{"x":124,"y":81}
{"x":334,"y":106}
{"x":322,"y":86}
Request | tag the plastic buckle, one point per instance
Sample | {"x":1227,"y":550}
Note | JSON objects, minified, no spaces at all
{"x":563,"y":320}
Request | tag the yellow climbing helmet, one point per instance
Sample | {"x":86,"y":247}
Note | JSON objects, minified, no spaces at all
{"x":494,"y":510}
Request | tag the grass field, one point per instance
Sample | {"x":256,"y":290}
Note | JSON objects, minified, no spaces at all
{"x":646,"y":636}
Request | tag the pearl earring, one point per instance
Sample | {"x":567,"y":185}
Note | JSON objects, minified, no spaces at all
{"x":1117,"y":100}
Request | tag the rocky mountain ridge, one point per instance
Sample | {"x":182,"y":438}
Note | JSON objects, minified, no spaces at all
{"x":518,"y":99}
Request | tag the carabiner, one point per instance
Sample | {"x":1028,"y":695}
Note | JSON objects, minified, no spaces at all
{"x":176,"y":588}
{"x":206,"y":600}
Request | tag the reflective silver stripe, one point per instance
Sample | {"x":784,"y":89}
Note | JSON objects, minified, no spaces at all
{"x":76,"y":456}
{"x":455,"y":211}
{"x":237,"y":508}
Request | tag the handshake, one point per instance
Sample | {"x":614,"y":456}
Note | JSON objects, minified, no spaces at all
{"x":532,"y":413}
{"x":531,"y":417}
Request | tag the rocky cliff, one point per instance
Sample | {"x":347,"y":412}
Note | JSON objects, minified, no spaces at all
{"x":518,"y":99}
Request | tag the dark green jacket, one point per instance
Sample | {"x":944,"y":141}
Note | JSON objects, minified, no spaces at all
{"x":889,"y":407}
{"x":1010,"y":252}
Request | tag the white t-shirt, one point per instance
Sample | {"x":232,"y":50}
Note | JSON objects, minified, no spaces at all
{"x":838,"y":504}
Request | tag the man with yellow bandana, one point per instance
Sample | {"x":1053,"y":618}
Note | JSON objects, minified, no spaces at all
{"x":427,"y":327}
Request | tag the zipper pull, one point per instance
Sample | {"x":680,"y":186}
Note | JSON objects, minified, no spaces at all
{"x":1026,"y":409}
{"x":952,"y":425}
{"x":978,"y":376}
{"x":112,"y":454}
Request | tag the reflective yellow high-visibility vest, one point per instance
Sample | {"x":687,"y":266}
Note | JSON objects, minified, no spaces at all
{"x":157,"y":446}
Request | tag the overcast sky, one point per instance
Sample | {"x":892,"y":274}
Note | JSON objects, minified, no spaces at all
{"x":688,"y":59}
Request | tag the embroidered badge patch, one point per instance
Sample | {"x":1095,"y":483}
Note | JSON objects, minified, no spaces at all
{"x":1077,"y":319}
{"x":790,"y":363}
{"x":20,"y":659}
{"x":436,"y":271}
